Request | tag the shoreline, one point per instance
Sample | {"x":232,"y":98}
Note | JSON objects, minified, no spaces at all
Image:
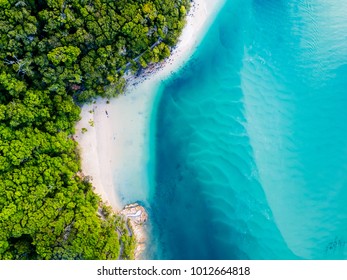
{"x":115,"y":148}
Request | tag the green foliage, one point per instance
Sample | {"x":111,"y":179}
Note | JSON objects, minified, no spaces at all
{"x":75,"y":45}
{"x":129,"y":243}
{"x":52,"y":54}
{"x":67,"y":55}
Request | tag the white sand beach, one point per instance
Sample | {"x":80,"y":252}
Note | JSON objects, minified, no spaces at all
{"x":115,"y":148}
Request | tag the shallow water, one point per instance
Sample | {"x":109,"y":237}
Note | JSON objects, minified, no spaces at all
{"x":249,"y":138}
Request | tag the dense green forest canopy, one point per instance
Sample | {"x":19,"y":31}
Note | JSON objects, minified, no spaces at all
{"x":53,"y":54}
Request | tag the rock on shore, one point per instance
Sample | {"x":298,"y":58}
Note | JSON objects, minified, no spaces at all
{"x":137,"y":216}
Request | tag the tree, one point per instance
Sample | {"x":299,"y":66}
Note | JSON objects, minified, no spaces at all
{"x":66,"y":55}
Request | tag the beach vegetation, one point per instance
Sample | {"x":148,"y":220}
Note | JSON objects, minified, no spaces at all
{"x":54,"y":55}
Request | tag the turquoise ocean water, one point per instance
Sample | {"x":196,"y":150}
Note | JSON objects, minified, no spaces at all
{"x":250,"y":138}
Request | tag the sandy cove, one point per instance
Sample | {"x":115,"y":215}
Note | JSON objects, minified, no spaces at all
{"x":115,"y":147}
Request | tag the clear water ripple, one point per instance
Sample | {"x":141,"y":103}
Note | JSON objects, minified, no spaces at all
{"x":250,"y":138}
